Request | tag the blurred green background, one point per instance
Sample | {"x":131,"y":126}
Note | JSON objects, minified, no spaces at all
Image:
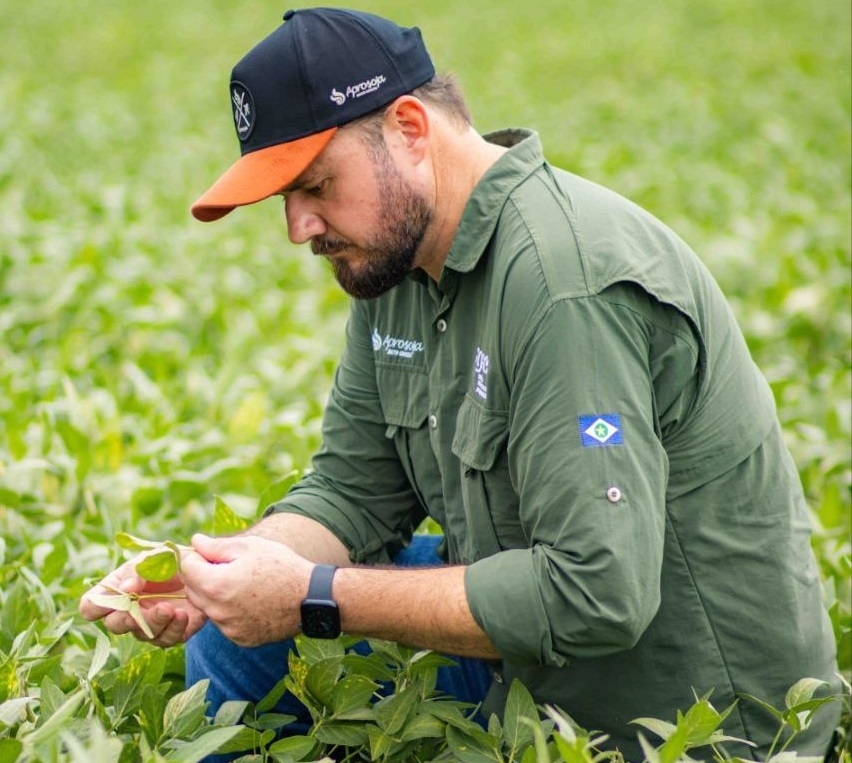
{"x":148,"y":362}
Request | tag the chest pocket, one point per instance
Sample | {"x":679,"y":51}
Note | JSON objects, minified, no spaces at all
{"x":490,"y":501}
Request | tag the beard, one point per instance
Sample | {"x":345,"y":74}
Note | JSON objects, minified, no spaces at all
{"x":385,"y":259}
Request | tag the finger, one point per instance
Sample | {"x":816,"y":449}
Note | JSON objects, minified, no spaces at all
{"x":108,"y":587}
{"x":158,"y":618}
{"x":120,"y":623}
{"x":168,"y":625}
{"x":215,"y":550}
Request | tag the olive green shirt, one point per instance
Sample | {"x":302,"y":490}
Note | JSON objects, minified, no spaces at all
{"x":574,"y":404}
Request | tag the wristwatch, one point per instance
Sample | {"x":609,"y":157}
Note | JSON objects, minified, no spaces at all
{"x":320,"y":615}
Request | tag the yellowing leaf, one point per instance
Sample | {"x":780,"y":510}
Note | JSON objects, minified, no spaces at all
{"x":158,"y":567}
{"x":225,"y":520}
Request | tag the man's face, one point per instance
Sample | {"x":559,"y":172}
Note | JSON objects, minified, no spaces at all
{"x":385,"y":217}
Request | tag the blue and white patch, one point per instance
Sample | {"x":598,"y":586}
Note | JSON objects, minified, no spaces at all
{"x":600,"y":429}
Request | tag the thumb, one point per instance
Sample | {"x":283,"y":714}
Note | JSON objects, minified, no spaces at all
{"x":214,"y":550}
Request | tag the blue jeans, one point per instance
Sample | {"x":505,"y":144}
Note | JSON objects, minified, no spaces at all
{"x":250,"y":673}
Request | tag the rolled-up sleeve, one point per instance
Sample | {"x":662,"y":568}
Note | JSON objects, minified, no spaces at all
{"x":592,"y":499}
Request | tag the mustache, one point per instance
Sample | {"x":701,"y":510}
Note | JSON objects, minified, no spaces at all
{"x":329,"y":245}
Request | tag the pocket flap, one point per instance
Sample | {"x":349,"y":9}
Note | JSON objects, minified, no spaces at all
{"x":405,"y":398}
{"x":480,"y":434}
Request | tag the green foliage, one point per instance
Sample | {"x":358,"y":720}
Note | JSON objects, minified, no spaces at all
{"x":159,"y":377}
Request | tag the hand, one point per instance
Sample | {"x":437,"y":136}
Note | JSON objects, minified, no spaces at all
{"x":250,"y":587}
{"x":171,"y":620}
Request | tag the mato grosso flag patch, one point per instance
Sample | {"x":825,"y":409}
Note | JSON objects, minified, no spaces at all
{"x":600,"y":429}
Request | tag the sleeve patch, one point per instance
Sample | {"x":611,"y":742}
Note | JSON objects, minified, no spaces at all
{"x":600,"y":429}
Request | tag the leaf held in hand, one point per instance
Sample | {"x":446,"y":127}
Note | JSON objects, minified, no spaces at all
{"x":135,"y":611}
{"x":117,"y":601}
{"x":132,"y":543}
{"x":158,"y":567}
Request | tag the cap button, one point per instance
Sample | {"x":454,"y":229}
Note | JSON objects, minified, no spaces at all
{"x":289,"y":15}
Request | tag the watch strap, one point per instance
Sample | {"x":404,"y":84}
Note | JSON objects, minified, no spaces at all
{"x":319,"y":587}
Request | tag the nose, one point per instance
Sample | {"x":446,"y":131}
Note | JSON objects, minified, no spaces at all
{"x":303,"y":222}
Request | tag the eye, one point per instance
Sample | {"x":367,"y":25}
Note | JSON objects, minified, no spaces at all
{"x":321,"y":188}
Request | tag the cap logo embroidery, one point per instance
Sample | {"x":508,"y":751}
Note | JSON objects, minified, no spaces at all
{"x":243,"y":105}
{"x":357,"y":90}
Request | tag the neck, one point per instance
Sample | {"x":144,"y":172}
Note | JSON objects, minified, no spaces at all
{"x":459,"y":162}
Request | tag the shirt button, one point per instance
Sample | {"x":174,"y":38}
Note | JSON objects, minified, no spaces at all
{"x":441,"y":325}
{"x":433,"y":421}
{"x":613,"y":494}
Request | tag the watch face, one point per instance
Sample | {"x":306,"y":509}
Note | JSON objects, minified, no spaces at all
{"x":320,"y":619}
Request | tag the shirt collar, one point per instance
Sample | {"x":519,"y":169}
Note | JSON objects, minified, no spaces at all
{"x":485,"y":205}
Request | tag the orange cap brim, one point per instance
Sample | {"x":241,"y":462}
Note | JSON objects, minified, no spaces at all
{"x":260,"y":174}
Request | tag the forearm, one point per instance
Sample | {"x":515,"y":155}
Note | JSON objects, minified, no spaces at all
{"x":305,"y":536}
{"x":424,"y":608}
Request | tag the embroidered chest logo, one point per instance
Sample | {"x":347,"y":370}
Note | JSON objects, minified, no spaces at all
{"x":395,"y":346}
{"x":600,"y":429}
{"x":481,"y":364}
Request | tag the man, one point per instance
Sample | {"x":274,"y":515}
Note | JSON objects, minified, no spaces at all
{"x":544,"y":369}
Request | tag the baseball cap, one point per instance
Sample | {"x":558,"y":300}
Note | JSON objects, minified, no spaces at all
{"x":321,"y":68}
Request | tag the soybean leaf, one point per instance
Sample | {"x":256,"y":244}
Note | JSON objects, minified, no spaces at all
{"x":10,"y":750}
{"x":14,"y":710}
{"x":160,"y":566}
{"x":345,"y":734}
{"x":662,"y":729}
{"x":294,"y":747}
{"x":765,"y":705}
{"x":701,"y":720}
{"x":132,"y":543}
{"x":247,"y":739}
{"x":230,"y":712}
{"x":539,"y":750}
{"x":100,"y":655}
{"x":519,"y":705}
{"x":208,"y":743}
{"x":145,"y":669}
{"x":802,"y":691}
{"x":271,"y":699}
{"x":272,"y":721}
{"x":225,"y":520}
{"x":117,"y":601}
{"x":352,"y":692}
{"x":473,"y":746}
{"x":380,"y":743}
{"x":392,"y":712}
{"x":423,"y":726}
{"x":184,"y":713}
{"x":276,"y":491}
{"x":58,"y":720}
{"x":321,"y":680}
{"x":651,"y":754}
{"x":135,"y":611}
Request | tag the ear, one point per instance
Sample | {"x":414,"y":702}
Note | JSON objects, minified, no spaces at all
{"x":408,"y":126}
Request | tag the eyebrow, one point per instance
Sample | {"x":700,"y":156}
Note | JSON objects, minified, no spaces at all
{"x":305,"y":179}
